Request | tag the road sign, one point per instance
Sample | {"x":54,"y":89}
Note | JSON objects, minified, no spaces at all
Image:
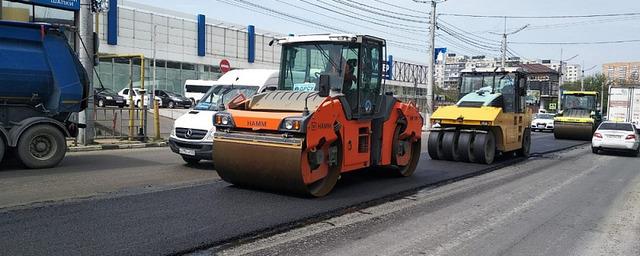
{"x":225,"y":66}
{"x":73,"y":5}
{"x":552,"y":106}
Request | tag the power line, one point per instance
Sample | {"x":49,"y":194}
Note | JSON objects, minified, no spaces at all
{"x":348,"y":22}
{"x":357,"y":7}
{"x":379,"y":22}
{"x":299,"y":20}
{"x":464,"y":32}
{"x":579,"y":43}
{"x":541,"y":17}
{"x":460,"y":47}
{"x":470,"y":41}
{"x":397,"y":6}
{"x":390,"y":11}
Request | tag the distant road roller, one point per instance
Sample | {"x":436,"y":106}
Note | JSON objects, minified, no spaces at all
{"x":578,"y":117}
{"x":329,"y":115}
{"x":490,"y":118}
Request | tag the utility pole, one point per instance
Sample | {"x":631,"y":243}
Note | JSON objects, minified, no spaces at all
{"x":432,"y":58}
{"x":582,"y":77}
{"x":504,"y":40}
{"x":84,"y":24}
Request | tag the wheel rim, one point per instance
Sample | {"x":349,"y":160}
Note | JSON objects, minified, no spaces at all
{"x":42,"y":147}
{"x":100,"y":103}
{"x":320,"y":186}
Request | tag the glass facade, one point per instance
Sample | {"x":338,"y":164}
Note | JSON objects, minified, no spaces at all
{"x":15,"y":11}
{"x":115,"y":74}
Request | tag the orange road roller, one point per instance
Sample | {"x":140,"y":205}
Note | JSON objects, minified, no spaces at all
{"x":329,"y":115}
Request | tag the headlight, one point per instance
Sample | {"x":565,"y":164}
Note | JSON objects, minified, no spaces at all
{"x":109,"y":98}
{"x":291,"y":124}
{"x":223,"y":120}
{"x":210,"y":134}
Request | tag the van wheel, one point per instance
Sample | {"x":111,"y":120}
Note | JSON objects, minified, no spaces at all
{"x":41,"y":146}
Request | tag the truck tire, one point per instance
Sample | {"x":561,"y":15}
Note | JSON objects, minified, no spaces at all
{"x":41,"y":146}
{"x":484,"y":148}
{"x":525,"y":150}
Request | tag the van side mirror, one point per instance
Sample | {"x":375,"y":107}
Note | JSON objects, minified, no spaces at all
{"x":323,"y":86}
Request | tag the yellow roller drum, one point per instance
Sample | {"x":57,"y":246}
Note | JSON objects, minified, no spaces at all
{"x":573,"y":130}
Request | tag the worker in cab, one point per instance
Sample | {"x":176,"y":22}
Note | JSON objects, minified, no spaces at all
{"x":338,"y":67}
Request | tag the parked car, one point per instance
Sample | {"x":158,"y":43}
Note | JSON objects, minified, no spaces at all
{"x":542,"y":122}
{"x":616,"y":136}
{"x":192,"y":135}
{"x":172,"y":100}
{"x":104,"y":97}
{"x":137,"y":97}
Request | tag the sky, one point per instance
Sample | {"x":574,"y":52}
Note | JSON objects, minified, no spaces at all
{"x":404,"y":24}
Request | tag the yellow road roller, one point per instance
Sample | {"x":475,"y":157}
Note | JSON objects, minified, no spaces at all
{"x":329,"y":115}
{"x":490,"y":118}
{"x":578,"y":117}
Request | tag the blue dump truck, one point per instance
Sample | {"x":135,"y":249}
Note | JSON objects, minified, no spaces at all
{"x":42,"y":83}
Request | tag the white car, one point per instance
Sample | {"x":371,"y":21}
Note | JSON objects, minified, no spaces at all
{"x":542,"y":122}
{"x":616,"y":136}
{"x":137,"y":97}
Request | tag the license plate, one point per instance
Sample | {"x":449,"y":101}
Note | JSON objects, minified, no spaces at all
{"x":615,"y":136}
{"x":120,"y":101}
{"x":189,"y":152}
{"x":540,"y":126}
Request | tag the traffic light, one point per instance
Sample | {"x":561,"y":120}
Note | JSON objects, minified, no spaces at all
{"x":99,"y":6}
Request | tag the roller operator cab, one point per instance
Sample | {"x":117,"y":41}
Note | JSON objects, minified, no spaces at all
{"x":578,"y":117}
{"x":490,"y":118}
{"x":329,"y":115}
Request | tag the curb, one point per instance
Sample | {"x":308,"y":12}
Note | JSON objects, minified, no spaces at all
{"x":116,"y":146}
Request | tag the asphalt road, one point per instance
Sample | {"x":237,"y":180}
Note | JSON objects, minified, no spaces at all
{"x":186,"y":218}
{"x":90,"y":175}
{"x":574,"y":203}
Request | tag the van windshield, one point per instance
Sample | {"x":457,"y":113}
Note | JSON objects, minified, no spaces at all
{"x":211,"y":101}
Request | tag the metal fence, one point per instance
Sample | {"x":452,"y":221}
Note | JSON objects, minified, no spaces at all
{"x":118,"y":123}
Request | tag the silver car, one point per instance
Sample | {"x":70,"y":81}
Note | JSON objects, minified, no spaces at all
{"x":616,"y":136}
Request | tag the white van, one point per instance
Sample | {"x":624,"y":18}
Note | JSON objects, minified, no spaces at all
{"x":195,"y":89}
{"x":192,"y":134}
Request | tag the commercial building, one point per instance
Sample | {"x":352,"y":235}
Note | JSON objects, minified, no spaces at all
{"x":543,"y":85}
{"x":185,"y":46}
{"x":622,"y":72}
{"x":571,"y":72}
